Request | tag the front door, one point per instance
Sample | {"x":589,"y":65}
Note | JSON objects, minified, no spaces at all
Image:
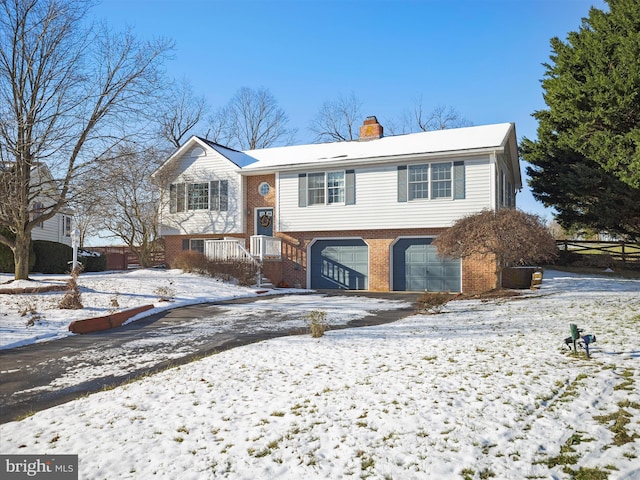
{"x":264,"y":221}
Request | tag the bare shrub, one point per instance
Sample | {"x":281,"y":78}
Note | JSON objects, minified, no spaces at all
{"x":71,"y":299}
{"x":432,"y":303}
{"x":244,"y":272}
{"x":28,"y":309}
{"x":511,"y":236}
{"x":114,"y":301}
{"x":165,"y":293}
{"x":191,"y":261}
{"x":317,"y":323}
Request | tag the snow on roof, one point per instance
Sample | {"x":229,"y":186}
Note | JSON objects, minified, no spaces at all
{"x":458,"y":139}
{"x":241,"y":159}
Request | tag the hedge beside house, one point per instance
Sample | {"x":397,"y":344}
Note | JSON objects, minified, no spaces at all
{"x":52,"y":257}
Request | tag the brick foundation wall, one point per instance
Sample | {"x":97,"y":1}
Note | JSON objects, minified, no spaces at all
{"x":173,"y":243}
{"x":478,"y":274}
{"x":272,"y":269}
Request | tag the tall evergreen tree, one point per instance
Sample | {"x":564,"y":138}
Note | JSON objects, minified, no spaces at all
{"x":586,"y":161}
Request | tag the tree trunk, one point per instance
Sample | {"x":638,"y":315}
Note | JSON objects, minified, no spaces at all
{"x":21,"y":256}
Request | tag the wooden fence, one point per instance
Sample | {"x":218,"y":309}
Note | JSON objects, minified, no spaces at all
{"x":621,"y":251}
{"x":121,"y":258}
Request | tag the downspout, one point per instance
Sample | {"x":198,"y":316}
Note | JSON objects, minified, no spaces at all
{"x":493,"y":161}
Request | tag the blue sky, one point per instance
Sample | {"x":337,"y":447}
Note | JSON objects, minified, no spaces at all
{"x":484,"y":57}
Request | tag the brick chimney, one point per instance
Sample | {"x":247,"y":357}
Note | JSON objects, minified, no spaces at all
{"x":370,"y":129}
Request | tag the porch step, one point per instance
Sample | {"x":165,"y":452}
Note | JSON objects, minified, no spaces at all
{"x":265,"y":283}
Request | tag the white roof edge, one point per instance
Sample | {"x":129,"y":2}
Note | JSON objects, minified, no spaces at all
{"x":515,"y":156}
{"x":189,"y":143}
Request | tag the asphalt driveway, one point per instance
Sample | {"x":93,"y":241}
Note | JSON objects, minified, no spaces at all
{"x":42,"y":375}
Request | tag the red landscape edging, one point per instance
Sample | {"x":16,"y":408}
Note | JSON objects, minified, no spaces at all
{"x":106,"y":322}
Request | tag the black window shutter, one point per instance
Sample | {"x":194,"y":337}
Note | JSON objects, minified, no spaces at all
{"x":402,"y":183}
{"x":181,"y":196}
{"x":302,"y":190}
{"x":214,"y":193}
{"x":185,"y":244}
{"x":458,"y":180}
{"x":173,"y":199}
{"x":350,"y":187}
{"x":224,"y":195}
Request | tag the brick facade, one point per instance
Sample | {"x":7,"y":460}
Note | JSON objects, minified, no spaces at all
{"x":256,"y":200}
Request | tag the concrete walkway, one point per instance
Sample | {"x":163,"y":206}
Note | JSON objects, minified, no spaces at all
{"x":42,"y":375}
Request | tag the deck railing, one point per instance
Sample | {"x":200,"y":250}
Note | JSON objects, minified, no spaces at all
{"x":264,"y":247}
{"x":226,"y":250}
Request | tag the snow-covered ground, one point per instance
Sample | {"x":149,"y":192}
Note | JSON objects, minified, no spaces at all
{"x":482,"y":390}
{"x":32,"y":318}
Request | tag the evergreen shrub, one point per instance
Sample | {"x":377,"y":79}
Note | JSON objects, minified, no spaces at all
{"x":92,"y":261}
{"x":52,"y":257}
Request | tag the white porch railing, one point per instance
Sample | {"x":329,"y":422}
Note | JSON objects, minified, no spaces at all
{"x":263,"y":247}
{"x":226,"y":250}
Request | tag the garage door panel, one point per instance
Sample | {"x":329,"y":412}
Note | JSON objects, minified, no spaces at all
{"x":340,"y":264}
{"x":417,"y":266}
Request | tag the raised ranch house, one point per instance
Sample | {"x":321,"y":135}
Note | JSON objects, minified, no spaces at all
{"x":345,"y":215}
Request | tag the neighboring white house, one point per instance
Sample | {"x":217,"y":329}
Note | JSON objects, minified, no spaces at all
{"x":59,"y":227}
{"x":355,"y":215}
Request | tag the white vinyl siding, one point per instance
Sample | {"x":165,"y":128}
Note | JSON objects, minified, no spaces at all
{"x":36,"y":211}
{"x":54,"y":229}
{"x":377,"y":205}
{"x":219,"y":189}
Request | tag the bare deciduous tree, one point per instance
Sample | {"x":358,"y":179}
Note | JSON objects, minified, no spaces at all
{"x":417,"y":119}
{"x":67,"y":94}
{"x":513,"y":237}
{"x":128,"y":199}
{"x":182,"y":111}
{"x":252,"y":119}
{"x":338,"y":120}
{"x":441,"y":117}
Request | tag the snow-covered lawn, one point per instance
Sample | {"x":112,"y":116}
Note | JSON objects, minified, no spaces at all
{"x":483,"y":390}
{"x":30,"y":318}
